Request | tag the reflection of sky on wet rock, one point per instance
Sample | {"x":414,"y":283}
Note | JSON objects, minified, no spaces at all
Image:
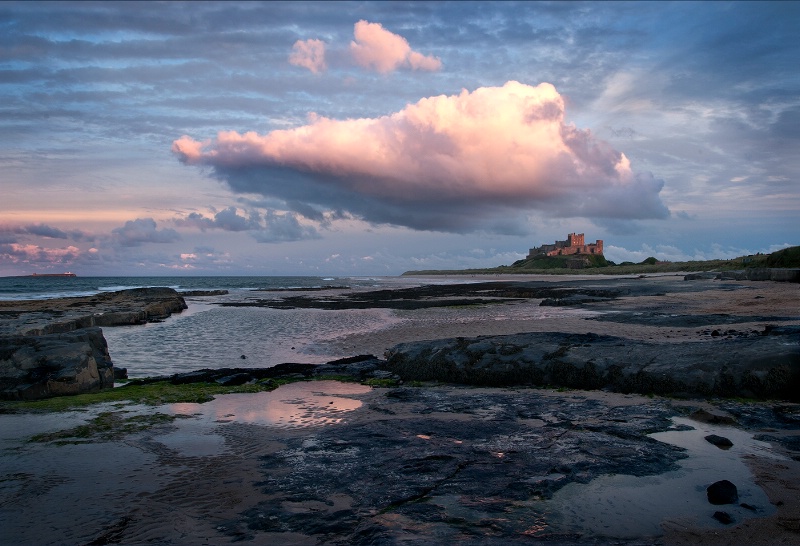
{"x":623,"y":506}
{"x":302,"y":404}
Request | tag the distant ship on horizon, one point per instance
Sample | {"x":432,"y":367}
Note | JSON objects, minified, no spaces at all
{"x":67,"y":274}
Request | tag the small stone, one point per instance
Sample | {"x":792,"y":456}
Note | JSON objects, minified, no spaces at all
{"x":722,"y":492}
{"x":243,"y":357}
{"x":719,"y":441}
{"x":723,"y":517}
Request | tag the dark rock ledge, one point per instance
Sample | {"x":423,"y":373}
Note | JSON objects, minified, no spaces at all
{"x":55,"y":347}
{"x":767,"y":366}
{"x":124,"y":307}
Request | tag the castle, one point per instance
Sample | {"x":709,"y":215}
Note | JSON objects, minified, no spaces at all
{"x":574,"y":244}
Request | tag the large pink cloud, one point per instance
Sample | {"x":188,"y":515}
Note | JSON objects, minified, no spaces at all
{"x":378,"y":49}
{"x":446,"y":162}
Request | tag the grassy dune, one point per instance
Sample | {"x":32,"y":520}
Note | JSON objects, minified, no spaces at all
{"x":558,"y":265}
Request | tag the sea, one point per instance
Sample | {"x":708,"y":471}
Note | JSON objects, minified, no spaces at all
{"x":208,"y":335}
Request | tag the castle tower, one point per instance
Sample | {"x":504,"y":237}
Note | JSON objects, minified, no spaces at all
{"x":575,"y":239}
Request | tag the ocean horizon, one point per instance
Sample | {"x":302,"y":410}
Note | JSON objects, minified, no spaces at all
{"x":50,"y":287}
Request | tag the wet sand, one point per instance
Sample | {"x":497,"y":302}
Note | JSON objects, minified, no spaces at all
{"x":740,"y":299}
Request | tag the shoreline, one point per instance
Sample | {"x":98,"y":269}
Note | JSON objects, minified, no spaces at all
{"x":415,"y":464}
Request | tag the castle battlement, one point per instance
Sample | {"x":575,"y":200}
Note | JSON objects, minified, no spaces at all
{"x":574,"y":244}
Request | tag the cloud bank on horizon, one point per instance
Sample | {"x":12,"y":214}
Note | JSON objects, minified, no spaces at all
{"x":451,"y":163}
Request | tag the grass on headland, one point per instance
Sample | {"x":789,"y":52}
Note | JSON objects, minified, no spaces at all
{"x":558,"y":265}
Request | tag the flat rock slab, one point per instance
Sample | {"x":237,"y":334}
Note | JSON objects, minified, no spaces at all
{"x":124,"y":307}
{"x":763,"y":366}
{"x":448,"y":464}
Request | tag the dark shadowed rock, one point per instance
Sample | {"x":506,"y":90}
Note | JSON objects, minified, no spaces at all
{"x":200,"y":293}
{"x":33,"y":367}
{"x":723,"y":517}
{"x":719,"y":441}
{"x":705,"y":416}
{"x":722,"y":492}
{"x":235,"y":379}
{"x":121,"y":308}
{"x":758,"y":367}
{"x":54,"y":347}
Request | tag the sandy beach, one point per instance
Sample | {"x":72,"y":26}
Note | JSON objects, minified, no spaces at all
{"x":341,"y":463}
{"x":745,"y":299}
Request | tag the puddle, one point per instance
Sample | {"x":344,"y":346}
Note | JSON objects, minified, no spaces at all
{"x":297,"y":405}
{"x":621,"y":506}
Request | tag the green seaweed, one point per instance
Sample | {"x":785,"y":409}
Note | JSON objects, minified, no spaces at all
{"x":107,"y":426}
{"x":152,"y":394}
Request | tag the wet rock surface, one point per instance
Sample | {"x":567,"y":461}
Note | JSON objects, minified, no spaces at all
{"x":466,"y":465}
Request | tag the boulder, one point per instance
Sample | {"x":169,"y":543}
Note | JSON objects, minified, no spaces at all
{"x":719,"y":441}
{"x":722,"y":492}
{"x":34,"y":367}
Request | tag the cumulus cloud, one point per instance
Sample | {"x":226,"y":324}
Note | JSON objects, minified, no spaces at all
{"x":378,"y":49}
{"x":309,"y":54}
{"x":227,"y":220}
{"x":455,"y":163}
{"x":34,"y":254}
{"x":270,"y":227}
{"x":143,"y":230}
{"x":281,"y":228}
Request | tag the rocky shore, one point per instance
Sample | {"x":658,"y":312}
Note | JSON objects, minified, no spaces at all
{"x":56,"y":347}
{"x":472,"y":424}
{"x":751,"y":351}
{"x":123,"y":307}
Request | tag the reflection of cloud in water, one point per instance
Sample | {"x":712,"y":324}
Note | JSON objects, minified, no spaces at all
{"x":301,"y":404}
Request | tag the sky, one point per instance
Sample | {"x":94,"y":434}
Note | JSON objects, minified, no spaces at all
{"x":373,"y":138}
